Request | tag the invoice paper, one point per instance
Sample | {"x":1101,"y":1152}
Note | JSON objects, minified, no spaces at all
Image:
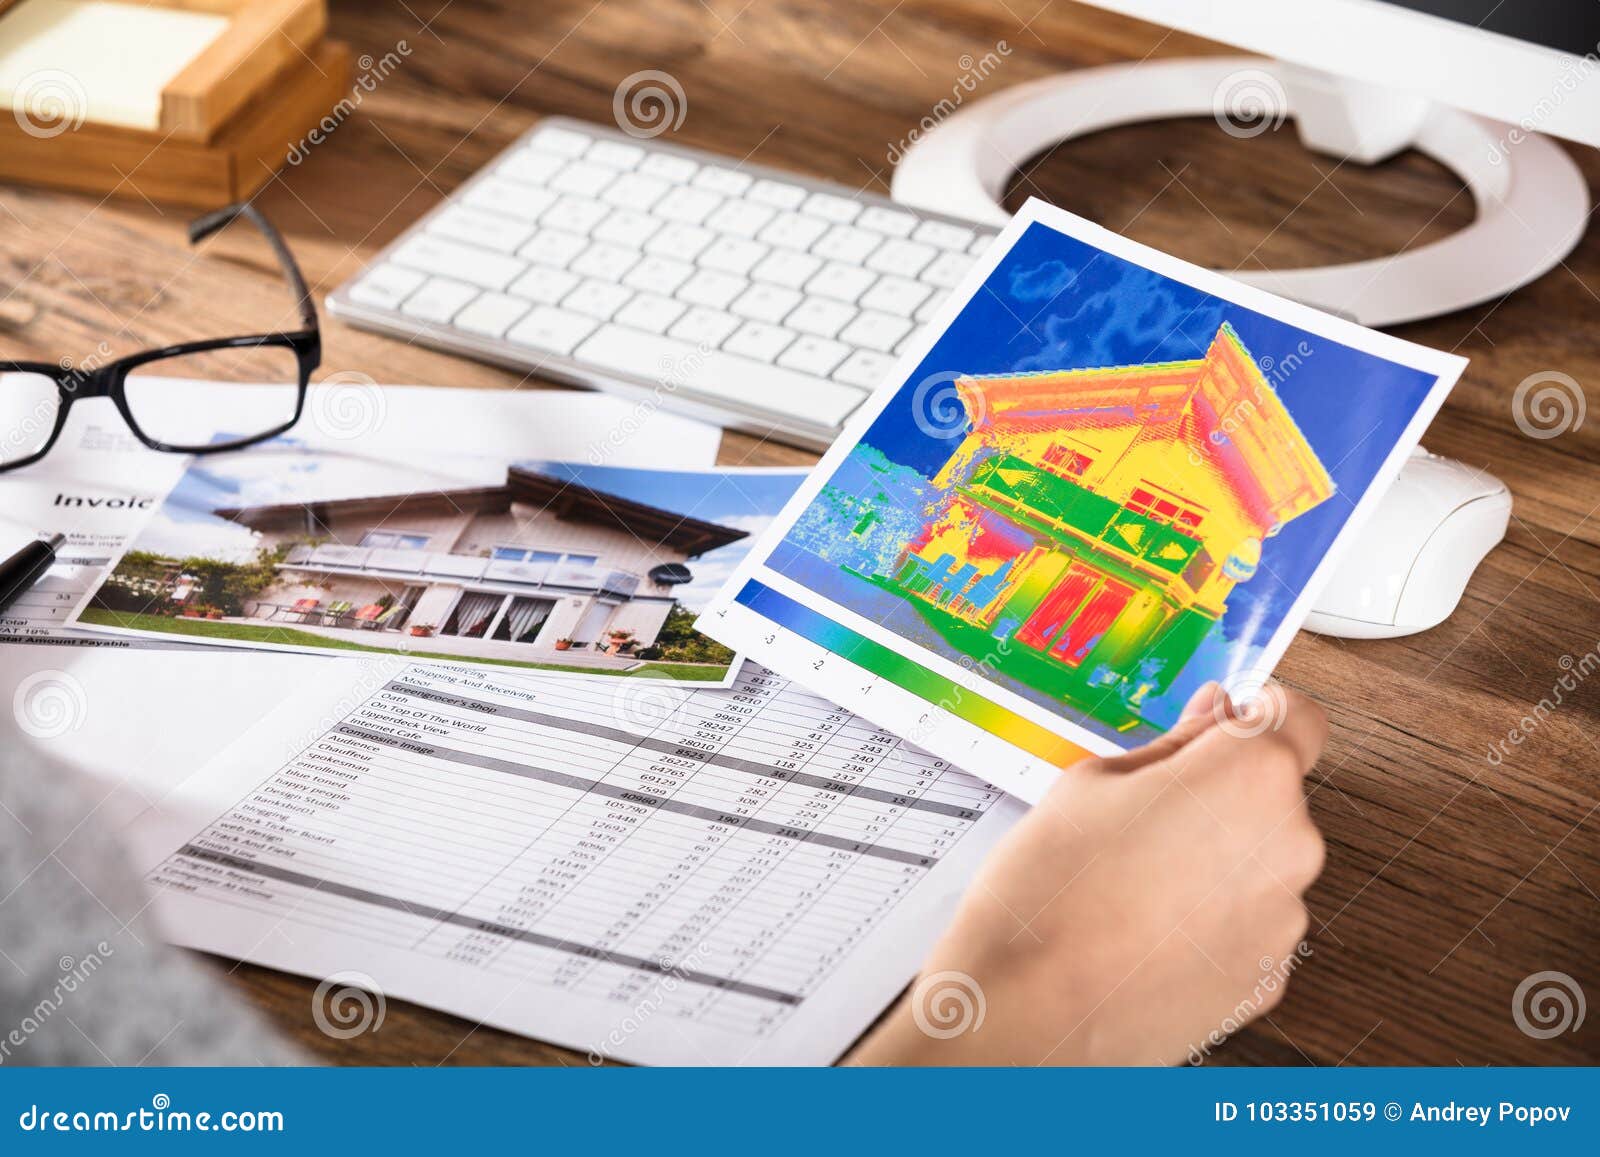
{"x":643,"y":872}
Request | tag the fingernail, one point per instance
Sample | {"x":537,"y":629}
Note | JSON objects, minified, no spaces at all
{"x":1201,"y":702}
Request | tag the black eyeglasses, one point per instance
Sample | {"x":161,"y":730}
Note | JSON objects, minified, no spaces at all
{"x":36,"y":396}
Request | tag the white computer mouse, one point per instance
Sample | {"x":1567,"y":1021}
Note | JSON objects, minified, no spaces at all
{"x":1408,"y":565}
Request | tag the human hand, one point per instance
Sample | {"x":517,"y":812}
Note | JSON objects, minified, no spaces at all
{"x":1147,"y":900}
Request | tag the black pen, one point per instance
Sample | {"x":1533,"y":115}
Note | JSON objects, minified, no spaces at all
{"x":19,"y":572}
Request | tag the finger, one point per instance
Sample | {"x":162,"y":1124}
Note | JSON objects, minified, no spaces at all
{"x":1279,"y":717}
{"x":1201,"y":702}
{"x":1184,"y":733}
{"x":1304,"y":727}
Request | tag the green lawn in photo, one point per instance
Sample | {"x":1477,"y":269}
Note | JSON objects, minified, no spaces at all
{"x":215,"y":629}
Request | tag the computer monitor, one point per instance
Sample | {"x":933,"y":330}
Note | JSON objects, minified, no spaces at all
{"x":1477,"y":84}
{"x":1530,"y":63}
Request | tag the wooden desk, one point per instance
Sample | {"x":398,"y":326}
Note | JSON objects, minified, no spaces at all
{"x":1449,"y":878}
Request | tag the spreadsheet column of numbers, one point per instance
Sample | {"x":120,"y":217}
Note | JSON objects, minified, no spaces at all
{"x":599,"y":839}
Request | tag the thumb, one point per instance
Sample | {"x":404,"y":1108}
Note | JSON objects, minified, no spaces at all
{"x":1198,"y":715}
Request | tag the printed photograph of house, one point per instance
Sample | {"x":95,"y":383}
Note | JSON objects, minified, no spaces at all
{"x":1101,"y":488}
{"x":558,"y":565}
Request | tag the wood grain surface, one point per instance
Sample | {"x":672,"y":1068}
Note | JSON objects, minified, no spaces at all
{"x":1451,"y":878}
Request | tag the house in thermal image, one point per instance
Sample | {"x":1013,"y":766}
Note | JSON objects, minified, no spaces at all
{"x":1096,"y":521}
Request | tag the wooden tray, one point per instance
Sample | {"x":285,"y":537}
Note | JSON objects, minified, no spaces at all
{"x":156,"y":166}
{"x":263,"y":39}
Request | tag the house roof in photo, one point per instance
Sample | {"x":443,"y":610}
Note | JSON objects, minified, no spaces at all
{"x":568,"y":499}
{"x":314,"y":516}
{"x":1223,"y":402}
{"x":563,"y":498}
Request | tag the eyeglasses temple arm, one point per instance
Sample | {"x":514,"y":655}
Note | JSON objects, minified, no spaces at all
{"x":203,"y":227}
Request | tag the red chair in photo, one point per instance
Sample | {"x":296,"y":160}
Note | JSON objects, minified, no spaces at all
{"x":302,"y":608}
{"x":367,"y":617}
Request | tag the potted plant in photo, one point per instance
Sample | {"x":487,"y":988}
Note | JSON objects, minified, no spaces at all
{"x":213,"y":612}
{"x":563,"y":644}
{"x":421,"y":630}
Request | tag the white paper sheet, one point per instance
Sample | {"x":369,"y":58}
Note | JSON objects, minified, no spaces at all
{"x":652,"y":875}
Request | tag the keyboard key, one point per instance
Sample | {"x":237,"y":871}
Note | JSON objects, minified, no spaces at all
{"x":904,"y":258}
{"x":943,"y":235}
{"x":575,"y":215}
{"x":582,"y":179}
{"x":890,"y":221}
{"x":509,"y":199}
{"x":385,"y":286}
{"x":864,"y":368}
{"x":707,"y":327}
{"x":762,"y":342}
{"x":783,"y":267}
{"x":948,"y":270}
{"x":627,"y":228}
{"x":840,"y":210}
{"x":814,"y":355}
{"x":567,"y":142}
{"x":680,"y":242}
{"x":717,"y":374}
{"x":928,"y":308}
{"x":491,"y":230}
{"x":606,"y":262}
{"x":691,"y":206}
{"x":659,"y":275}
{"x":740,"y":218}
{"x":635,"y":191}
{"x":649,"y":312}
{"x":708,"y":287}
{"x":439,"y":299}
{"x":766,"y":303}
{"x":727,"y":182}
{"x":793,"y":231}
{"x":491,"y":314}
{"x":530,"y":166}
{"x":847,"y":244}
{"x":778,"y":194}
{"x":819,"y":316}
{"x":597,"y":299}
{"x":875,"y":331}
{"x":463,"y":262}
{"x":843,"y":282}
{"x":556,"y":331}
{"x":614,"y":154}
{"x":980,"y":243}
{"x":669,"y":167}
{"x":896,"y":295}
{"x":546,"y":286}
{"x":553,"y":247}
{"x":733,"y":254}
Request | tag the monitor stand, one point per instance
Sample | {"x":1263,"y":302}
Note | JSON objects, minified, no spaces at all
{"x":1532,"y":202}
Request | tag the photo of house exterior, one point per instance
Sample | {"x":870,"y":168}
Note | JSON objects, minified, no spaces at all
{"x":1100,"y":518}
{"x":530,"y":569}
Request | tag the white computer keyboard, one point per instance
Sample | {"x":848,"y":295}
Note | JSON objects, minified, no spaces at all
{"x":741,"y":294}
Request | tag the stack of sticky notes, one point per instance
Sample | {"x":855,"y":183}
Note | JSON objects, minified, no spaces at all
{"x":196,"y":102}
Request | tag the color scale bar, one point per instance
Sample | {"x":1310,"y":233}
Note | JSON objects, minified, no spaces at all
{"x":910,"y":675}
